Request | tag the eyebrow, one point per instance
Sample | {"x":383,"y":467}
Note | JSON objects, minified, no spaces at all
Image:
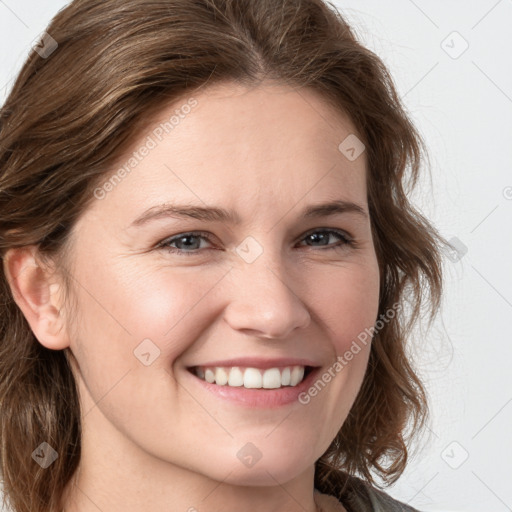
{"x":216,"y":214}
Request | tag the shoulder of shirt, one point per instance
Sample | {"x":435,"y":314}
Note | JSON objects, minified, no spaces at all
{"x":362,"y":497}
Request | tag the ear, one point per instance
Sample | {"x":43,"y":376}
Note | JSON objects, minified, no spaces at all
{"x":37,"y":295}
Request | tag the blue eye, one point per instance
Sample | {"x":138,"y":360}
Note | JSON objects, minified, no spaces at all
{"x":188,"y":243}
{"x":326,"y":233}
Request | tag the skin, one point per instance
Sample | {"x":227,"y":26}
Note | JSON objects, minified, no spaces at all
{"x":153,"y":438}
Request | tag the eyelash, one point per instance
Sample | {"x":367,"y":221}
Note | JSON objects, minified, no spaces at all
{"x":164,"y":244}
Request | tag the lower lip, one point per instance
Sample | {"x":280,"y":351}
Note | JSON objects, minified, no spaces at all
{"x":263,"y":398}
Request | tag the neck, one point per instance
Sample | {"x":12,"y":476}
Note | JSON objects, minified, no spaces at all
{"x":188,"y":492}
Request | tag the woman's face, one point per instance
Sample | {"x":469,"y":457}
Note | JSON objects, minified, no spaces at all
{"x":275,"y":289}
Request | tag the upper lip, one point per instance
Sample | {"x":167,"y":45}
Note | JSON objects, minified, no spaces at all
{"x":259,"y":362}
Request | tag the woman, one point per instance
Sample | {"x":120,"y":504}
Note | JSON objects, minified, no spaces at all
{"x":263,"y":368}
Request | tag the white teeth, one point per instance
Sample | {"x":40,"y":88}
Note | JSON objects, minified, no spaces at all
{"x":272,"y":378}
{"x":236,"y":377}
{"x":285,"y":377}
{"x":252,"y":378}
{"x":221,"y":376}
{"x":297,"y":375}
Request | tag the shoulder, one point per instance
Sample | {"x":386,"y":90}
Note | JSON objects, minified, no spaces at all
{"x":383,"y":502}
{"x":359,"y":496}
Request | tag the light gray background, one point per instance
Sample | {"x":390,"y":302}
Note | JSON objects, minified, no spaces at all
{"x":462,"y":105}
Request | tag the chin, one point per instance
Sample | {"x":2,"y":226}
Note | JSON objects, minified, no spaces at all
{"x":263,"y":477}
{"x":267,"y":471}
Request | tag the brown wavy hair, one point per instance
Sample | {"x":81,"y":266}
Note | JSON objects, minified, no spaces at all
{"x":70,"y":116}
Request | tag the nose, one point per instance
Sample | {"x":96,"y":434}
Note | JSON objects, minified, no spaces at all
{"x":264,"y":303}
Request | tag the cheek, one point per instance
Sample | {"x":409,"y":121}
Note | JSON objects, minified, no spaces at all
{"x":127,"y":314}
{"x":128,"y":304}
{"x":345,"y":303}
{"x":346,"y":300}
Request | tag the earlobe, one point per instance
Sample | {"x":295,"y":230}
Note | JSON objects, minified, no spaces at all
{"x":36,"y":294}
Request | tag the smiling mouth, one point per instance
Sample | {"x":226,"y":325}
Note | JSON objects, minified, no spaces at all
{"x":252,"y":378}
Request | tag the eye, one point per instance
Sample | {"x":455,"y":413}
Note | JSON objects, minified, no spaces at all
{"x":190,"y":242}
{"x":325,"y":234}
{"x":187,"y":244}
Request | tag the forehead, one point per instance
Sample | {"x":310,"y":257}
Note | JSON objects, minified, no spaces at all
{"x":272,"y":117}
{"x":233,"y":144}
